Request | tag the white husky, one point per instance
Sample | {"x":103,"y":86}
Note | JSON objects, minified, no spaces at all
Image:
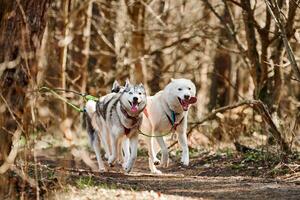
{"x":167,"y":111}
{"x":113,"y":118}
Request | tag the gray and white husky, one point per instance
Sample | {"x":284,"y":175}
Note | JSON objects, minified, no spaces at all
{"x":115,"y":117}
{"x":167,"y":111}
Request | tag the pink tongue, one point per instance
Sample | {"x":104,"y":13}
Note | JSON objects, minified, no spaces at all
{"x":185,"y":104}
{"x":134,"y":108}
{"x":192,"y":100}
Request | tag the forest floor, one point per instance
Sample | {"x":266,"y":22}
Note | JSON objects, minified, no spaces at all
{"x":227,"y":175}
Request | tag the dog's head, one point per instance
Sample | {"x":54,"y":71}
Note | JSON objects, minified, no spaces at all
{"x":134,"y":98}
{"x":181,"y":93}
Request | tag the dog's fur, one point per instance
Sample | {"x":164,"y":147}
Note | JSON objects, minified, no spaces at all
{"x":174,"y":100}
{"x":114,"y":117}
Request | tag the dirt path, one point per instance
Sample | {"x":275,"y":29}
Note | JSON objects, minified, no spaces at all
{"x":209,"y":176}
{"x":214,"y":181}
{"x":205,"y":187}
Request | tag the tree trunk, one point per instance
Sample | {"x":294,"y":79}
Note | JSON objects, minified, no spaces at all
{"x":136,"y":13}
{"x":220,"y":89}
{"x":103,"y":42}
{"x":80,"y":47}
{"x":257,"y":72}
{"x":21,"y":31}
{"x":159,"y":40}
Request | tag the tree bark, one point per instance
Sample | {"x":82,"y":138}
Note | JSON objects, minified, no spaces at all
{"x":103,"y":42}
{"x":136,"y":13}
{"x":257,"y":72}
{"x":21,"y":30}
{"x":158,"y":41}
{"x":220,"y":90}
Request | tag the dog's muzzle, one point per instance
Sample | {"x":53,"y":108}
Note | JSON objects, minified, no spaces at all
{"x":186,"y":102}
{"x":134,"y":105}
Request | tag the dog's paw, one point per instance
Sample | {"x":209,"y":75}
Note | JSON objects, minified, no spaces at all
{"x":184,"y":162}
{"x":164,"y":162}
{"x":102,"y":170}
{"x":111,"y":165}
{"x":156,"y":161}
{"x":127,"y":169}
{"x":111,"y":161}
{"x":164,"y":165}
{"x":156,"y":171}
{"x":124,"y":165}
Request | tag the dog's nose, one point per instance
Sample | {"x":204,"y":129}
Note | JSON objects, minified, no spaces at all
{"x":135,"y":99}
{"x":186,"y":97}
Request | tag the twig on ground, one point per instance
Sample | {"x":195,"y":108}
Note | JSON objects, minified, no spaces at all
{"x":25,"y":177}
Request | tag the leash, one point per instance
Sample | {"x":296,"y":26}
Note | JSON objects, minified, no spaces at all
{"x":172,"y":121}
{"x":78,"y":109}
{"x":154,"y":136}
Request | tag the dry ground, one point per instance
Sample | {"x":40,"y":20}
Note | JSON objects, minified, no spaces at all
{"x":210,"y":176}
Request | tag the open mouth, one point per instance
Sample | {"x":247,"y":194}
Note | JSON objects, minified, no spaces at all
{"x":186,"y":102}
{"x":134,"y":106}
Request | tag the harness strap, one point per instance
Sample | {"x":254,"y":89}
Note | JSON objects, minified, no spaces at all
{"x":172,"y":120}
{"x":127,"y":130}
{"x":145,"y":111}
{"x":134,"y":119}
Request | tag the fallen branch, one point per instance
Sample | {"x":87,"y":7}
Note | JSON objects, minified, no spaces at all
{"x":9,"y":161}
{"x":260,"y":107}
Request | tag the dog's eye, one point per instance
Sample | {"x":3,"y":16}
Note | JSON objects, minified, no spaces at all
{"x":130,"y":93}
{"x":179,"y":89}
{"x":189,"y":88}
{"x":140,"y":93}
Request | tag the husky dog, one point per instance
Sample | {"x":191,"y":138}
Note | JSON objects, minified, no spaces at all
{"x":113,"y":118}
{"x":167,"y":111}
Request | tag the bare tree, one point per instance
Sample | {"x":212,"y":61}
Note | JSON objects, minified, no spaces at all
{"x":22,"y":28}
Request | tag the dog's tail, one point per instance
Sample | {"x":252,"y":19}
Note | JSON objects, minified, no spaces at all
{"x":90,"y":108}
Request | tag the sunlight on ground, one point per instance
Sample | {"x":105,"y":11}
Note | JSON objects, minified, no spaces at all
{"x":90,"y":193}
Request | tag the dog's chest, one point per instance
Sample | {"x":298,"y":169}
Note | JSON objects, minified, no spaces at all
{"x":168,"y":123}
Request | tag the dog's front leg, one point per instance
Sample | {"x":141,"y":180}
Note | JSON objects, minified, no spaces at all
{"x":182,"y":139}
{"x":152,"y":156}
{"x":133,"y":154}
{"x":114,"y":148}
{"x":126,"y":151}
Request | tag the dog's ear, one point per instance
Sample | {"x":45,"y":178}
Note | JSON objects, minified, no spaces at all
{"x":116,"y":84}
{"x":127,"y":83}
{"x":116,"y":87}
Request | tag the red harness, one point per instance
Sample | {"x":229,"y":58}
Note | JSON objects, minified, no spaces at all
{"x":146,"y":112}
{"x":134,"y":119}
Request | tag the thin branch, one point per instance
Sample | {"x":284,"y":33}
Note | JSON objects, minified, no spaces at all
{"x":9,"y":161}
{"x":275,"y":12}
{"x":151,"y":11}
{"x":260,"y":107}
{"x":231,"y":30}
{"x":11,"y":113}
{"x":236,"y":3}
